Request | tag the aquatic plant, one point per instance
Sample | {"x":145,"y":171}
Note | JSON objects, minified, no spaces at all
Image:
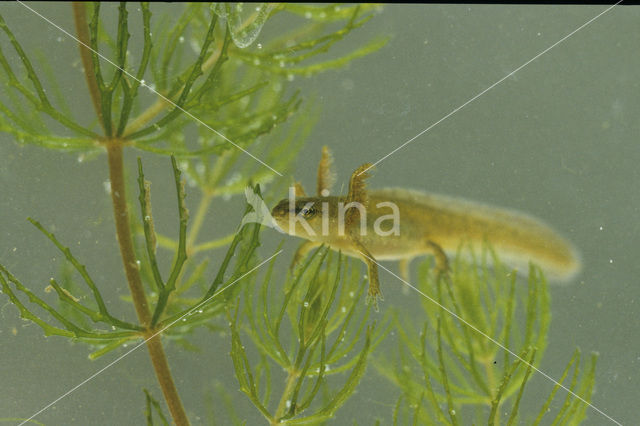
{"x":299,"y":345}
{"x":483,"y":337}
{"x":202,"y":66}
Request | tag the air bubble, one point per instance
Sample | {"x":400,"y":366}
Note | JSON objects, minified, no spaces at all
{"x":245,"y":26}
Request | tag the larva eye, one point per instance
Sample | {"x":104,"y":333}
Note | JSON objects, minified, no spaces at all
{"x":306,"y":211}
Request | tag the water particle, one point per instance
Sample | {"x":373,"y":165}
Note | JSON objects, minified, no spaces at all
{"x":259,"y":45}
{"x":307,"y":15}
{"x":147,"y":218}
{"x":347,"y":84}
{"x":288,"y":403}
{"x":142,"y":83}
{"x":306,"y":304}
{"x":343,"y":309}
{"x":610,"y":260}
{"x":181,"y":39}
{"x":351,"y":294}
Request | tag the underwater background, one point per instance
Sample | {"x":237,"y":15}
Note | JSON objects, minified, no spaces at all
{"x":559,"y":139}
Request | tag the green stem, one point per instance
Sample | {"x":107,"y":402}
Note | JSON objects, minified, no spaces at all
{"x":125,"y":240}
{"x":82,"y":30}
{"x":493,"y":387}
{"x":201,"y":213}
{"x":286,"y":395}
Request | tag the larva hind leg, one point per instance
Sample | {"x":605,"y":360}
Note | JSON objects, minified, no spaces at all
{"x":442,"y":262}
{"x":403,"y":265}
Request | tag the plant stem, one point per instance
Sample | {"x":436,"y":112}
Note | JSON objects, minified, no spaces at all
{"x":123,"y":230}
{"x":286,"y":395}
{"x":162,"y":103}
{"x":203,"y":208}
{"x":82,"y":30}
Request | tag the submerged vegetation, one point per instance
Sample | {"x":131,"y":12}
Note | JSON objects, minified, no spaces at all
{"x":208,"y":90}
{"x":482,"y":338}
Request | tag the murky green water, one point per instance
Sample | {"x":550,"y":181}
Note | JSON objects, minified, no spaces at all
{"x":558,"y":139}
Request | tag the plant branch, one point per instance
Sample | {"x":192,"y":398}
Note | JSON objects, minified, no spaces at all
{"x":125,"y":240}
{"x":82,"y":31}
